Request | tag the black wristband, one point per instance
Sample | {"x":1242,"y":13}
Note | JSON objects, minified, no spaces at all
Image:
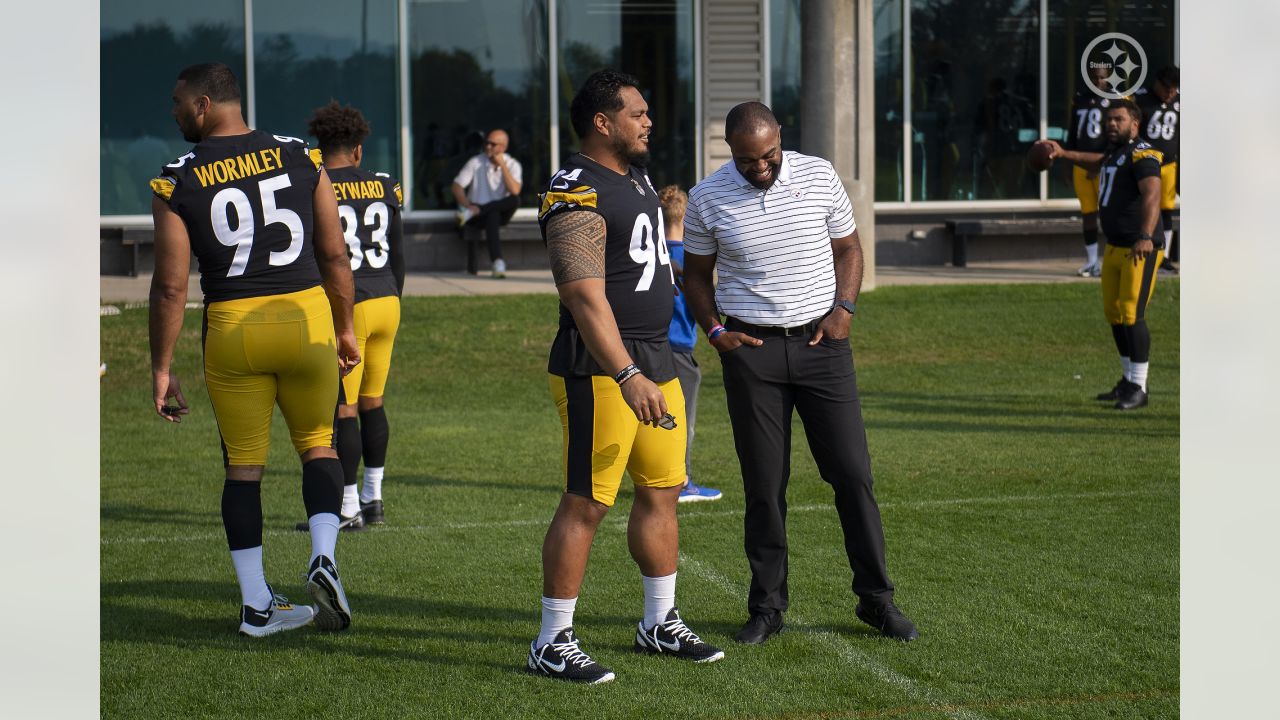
{"x":626,"y":373}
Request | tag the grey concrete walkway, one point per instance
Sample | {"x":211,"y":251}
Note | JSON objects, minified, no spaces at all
{"x":119,"y":290}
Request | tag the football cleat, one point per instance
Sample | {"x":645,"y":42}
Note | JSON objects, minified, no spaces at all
{"x":672,"y":637}
{"x":372,"y":512}
{"x":1131,"y":396}
{"x":1092,"y":269}
{"x":279,"y":616}
{"x":563,"y":659}
{"x":332,"y":610}
{"x":1114,"y":393}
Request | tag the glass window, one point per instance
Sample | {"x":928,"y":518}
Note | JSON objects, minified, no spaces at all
{"x":888,"y":109}
{"x":477,"y":66}
{"x":652,"y":41}
{"x":307,"y":53}
{"x":145,"y":43}
{"x":784,"y":79}
{"x":975,"y":90}
{"x":1072,"y":27}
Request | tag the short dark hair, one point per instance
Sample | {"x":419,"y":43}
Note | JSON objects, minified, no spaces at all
{"x":1129,"y":106}
{"x":338,"y":127}
{"x":212,"y":79}
{"x":1168,"y":76}
{"x":748,"y":116}
{"x":601,"y":93}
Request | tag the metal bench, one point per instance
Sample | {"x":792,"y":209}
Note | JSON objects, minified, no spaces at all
{"x":962,"y":230}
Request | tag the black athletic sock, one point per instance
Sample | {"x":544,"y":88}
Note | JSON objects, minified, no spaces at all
{"x":1091,"y":237}
{"x":1121,"y":337}
{"x":242,"y":514}
{"x":1139,"y":340}
{"x":375,"y":432}
{"x":347,"y":439}
{"x":322,"y":486}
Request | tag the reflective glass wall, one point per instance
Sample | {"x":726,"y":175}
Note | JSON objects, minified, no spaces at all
{"x":144,"y":45}
{"x":654,"y":42}
{"x":308,"y":52}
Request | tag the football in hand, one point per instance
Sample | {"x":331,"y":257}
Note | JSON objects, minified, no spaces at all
{"x":1040,"y":156}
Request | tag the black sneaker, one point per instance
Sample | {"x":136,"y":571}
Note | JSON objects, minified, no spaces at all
{"x":372,"y":512}
{"x":332,"y":610}
{"x":672,"y":637}
{"x":279,"y":616}
{"x":1114,"y":393}
{"x":1131,"y":396}
{"x":759,"y":628}
{"x":889,"y":620}
{"x":563,"y":659}
{"x":355,"y":523}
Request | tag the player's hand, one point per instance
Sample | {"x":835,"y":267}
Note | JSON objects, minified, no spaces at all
{"x":164,"y":386}
{"x":1141,"y":250}
{"x":474,"y":208}
{"x":1055,"y":150}
{"x":348,"y":353}
{"x":645,"y":399}
{"x":729,"y":340}
{"x":835,"y":326}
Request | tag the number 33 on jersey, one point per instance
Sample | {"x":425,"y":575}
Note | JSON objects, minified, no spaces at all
{"x":247,"y":202}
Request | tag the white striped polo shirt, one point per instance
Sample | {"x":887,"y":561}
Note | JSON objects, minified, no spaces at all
{"x":772,"y":247}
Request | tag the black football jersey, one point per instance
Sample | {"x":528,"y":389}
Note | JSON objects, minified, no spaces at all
{"x":1160,"y":121}
{"x":1084,"y":129}
{"x":369,"y":205}
{"x":638,"y":277}
{"x":1119,"y":201}
{"x":247,"y":202}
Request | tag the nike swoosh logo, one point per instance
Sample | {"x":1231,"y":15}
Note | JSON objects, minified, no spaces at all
{"x":673,"y":647}
{"x":263,"y":615}
{"x":551,"y":666}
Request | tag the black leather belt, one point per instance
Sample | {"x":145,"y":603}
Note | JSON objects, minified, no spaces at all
{"x":736,"y":325}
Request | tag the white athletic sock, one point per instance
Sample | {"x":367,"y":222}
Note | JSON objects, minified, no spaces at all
{"x":1091,"y":251}
{"x":350,"y":501}
{"x":1168,"y":240}
{"x":253,"y":581}
{"x":1138,"y":371}
{"x":557,"y":614}
{"x":659,"y":598}
{"x":324,"y":534}
{"x":1126,"y":366}
{"x":372,"y":489}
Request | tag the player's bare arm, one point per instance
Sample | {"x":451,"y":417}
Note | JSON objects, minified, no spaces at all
{"x":576,"y":248}
{"x":700,"y":294}
{"x":847,"y":256}
{"x":1091,"y":162}
{"x":168,"y":300}
{"x":1150,"y":189}
{"x":335,"y":271}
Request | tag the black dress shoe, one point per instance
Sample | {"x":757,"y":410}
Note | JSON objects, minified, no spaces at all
{"x":889,"y":620}
{"x":1114,"y":393}
{"x":759,"y":628}
{"x":1131,"y":396}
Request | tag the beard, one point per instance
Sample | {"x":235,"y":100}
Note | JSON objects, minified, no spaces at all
{"x":766,"y":184}
{"x":638,"y":157}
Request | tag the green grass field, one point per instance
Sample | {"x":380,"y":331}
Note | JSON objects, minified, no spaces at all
{"x":1032,"y":533}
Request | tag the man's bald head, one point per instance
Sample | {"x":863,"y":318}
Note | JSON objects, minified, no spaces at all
{"x":749,"y":118}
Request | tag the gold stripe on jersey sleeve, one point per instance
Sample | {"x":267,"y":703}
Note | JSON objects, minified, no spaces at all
{"x":399,"y":194}
{"x":1153,"y":153}
{"x":316,"y":157}
{"x":162,"y":187}
{"x":582,"y":196}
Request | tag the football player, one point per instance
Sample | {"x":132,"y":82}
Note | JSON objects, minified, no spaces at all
{"x":613,"y":378}
{"x":1129,"y":207}
{"x":1161,"y":108}
{"x":369,"y":206}
{"x":1084,"y":133}
{"x":262,"y":220}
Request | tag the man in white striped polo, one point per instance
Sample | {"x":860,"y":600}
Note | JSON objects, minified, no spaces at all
{"x":778,"y":229}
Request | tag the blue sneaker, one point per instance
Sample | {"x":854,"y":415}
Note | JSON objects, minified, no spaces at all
{"x":693,"y":492}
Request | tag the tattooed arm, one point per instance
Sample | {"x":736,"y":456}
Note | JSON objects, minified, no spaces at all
{"x":576,"y":246}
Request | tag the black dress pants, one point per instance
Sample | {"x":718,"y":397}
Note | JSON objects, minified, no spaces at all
{"x":492,"y":216}
{"x":763,"y":384}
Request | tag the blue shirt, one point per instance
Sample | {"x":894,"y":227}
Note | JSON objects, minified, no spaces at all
{"x":683,"y":333}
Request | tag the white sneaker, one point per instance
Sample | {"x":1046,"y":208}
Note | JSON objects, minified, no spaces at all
{"x":279,"y":616}
{"x":465,"y":214}
{"x":499,"y":268}
{"x":1090,"y":270}
{"x":332,"y":610}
